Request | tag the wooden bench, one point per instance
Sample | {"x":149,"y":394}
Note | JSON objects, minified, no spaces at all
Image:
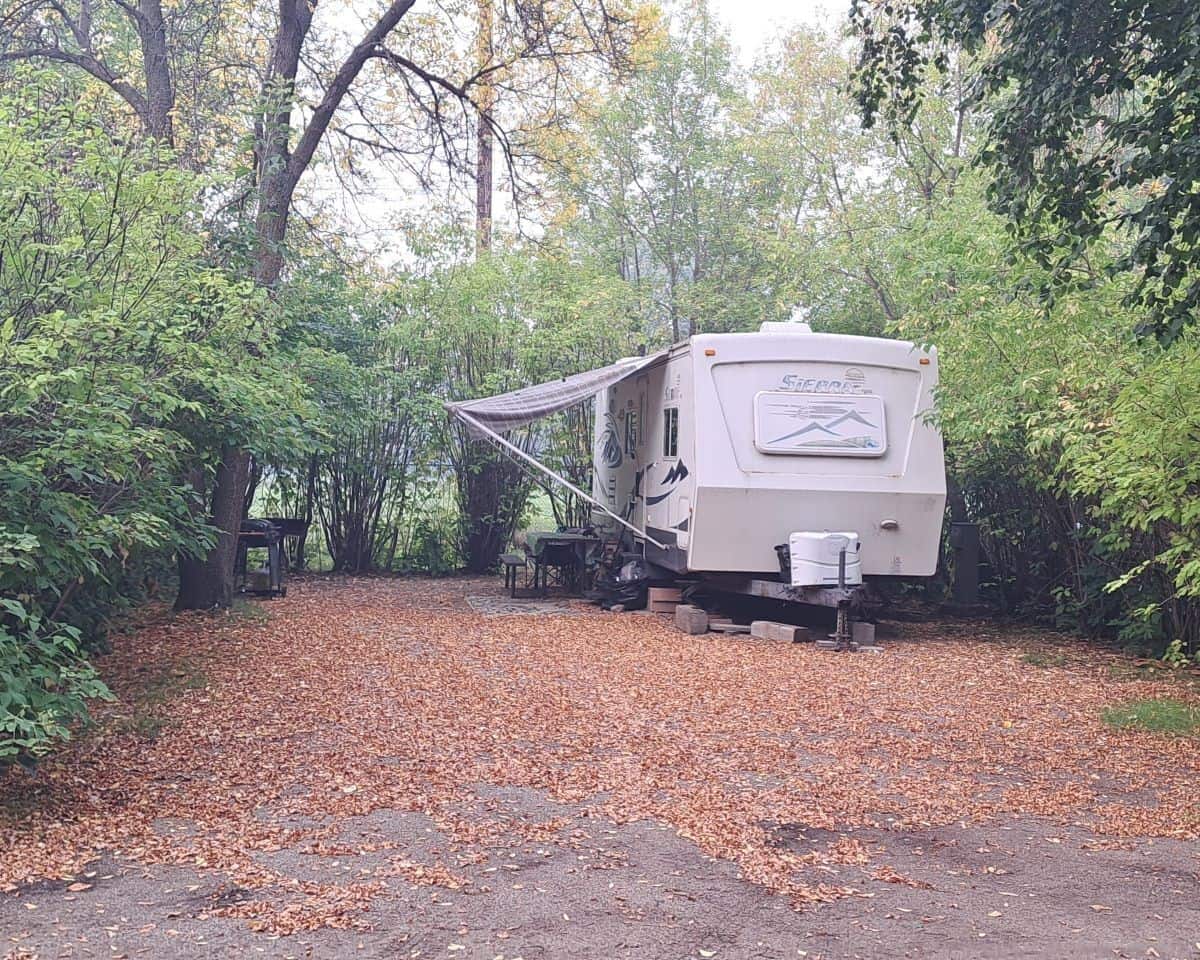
{"x":512,"y":563}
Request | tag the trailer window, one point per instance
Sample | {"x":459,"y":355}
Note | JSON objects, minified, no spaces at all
{"x":671,"y":432}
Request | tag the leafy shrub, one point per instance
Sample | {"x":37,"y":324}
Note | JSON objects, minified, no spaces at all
{"x":119,"y":352}
{"x":45,"y":683}
{"x":1137,"y":458}
{"x":1072,"y":443}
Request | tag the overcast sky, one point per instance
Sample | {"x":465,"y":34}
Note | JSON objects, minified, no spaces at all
{"x":752,"y":22}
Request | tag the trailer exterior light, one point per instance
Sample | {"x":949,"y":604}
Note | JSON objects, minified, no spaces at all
{"x":710,"y":352}
{"x":924,"y":361}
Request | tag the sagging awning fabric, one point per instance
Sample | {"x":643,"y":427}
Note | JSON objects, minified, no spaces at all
{"x":490,"y":417}
{"x":507,"y":411}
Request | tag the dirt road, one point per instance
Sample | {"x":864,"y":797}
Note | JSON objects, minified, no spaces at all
{"x":379,"y":768}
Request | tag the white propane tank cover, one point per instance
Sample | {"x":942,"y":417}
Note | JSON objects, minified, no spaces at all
{"x":815,"y":557}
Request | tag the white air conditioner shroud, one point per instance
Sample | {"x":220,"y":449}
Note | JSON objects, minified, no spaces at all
{"x":814,"y":557}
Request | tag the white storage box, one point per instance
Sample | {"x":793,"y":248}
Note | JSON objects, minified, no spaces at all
{"x":814,"y":557}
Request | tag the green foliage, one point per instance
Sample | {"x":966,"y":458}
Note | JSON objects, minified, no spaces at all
{"x":126,"y":359}
{"x":1068,"y":439}
{"x":1155,"y":716}
{"x":840,"y":196}
{"x":373,"y":410}
{"x":1137,"y":453}
{"x":432,"y":528}
{"x":492,"y":324}
{"x":663,"y":186}
{"x":45,"y":683}
{"x":1043,"y":659}
{"x":1175,"y":655}
{"x":1093,"y":121}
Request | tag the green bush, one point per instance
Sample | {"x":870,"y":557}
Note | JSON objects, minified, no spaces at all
{"x":45,"y":683}
{"x":1137,"y":457}
{"x":1072,"y":442}
{"x":125,"y":358}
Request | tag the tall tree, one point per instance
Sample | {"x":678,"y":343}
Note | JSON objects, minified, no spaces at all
{"x":483,"y":141}
{"x":1093,"y":123}
{"x":842,"y":194}
{"x":660,"y":184}
{"x":285,"y":136}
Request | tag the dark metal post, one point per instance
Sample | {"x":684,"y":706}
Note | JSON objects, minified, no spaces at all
{"x":843,"y":636}
{"x":964,"y":541}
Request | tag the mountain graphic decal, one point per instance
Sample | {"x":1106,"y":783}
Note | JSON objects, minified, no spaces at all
{"x":676,"y":473}
{"x":852,"y":416}
{"x":820,"y":424}
{"x":671,"y":481}
{"x":805,"y":429}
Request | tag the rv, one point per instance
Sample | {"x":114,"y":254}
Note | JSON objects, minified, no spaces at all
{"x":781,"y":463}
{"x":731,"y":444}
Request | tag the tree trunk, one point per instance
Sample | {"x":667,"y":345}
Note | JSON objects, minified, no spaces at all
{"x":191,"y":569}
{"x":483,"y":138}
{"x":192,"y":593}
{"x":253,"y":480}
{"x":492,"y":493}
{"x":300,"y":560}
{"x":483,"y":186}
{"x":208,"y":583}
{"x":160,"y":86}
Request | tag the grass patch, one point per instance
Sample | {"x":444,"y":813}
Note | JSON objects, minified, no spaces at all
{"x":246,"y":609}
{"x":1044,"y":659}
{"x":1129,"y":671}
{"x":1156,"y":716}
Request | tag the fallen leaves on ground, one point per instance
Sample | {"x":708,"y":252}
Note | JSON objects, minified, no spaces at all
{"x":366,"y":694}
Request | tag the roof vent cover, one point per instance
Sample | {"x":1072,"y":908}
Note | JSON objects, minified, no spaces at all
{"x":791,"y":326}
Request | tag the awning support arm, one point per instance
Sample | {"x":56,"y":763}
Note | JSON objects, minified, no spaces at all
{"x":491,"y":434}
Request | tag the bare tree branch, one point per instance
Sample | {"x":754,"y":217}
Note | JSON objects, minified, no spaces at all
{"x":323,"y":113}
{"x":90,"y":65}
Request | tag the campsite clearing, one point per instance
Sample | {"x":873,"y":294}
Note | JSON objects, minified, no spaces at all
{"x":383,"y":768}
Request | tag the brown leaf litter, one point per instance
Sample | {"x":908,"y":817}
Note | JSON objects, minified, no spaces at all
{"x":369,"y":694}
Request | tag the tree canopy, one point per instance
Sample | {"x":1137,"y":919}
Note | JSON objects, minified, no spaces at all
{"x":1092,"y":124}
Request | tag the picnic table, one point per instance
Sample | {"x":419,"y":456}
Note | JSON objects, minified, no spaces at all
{"x":561,"y":556}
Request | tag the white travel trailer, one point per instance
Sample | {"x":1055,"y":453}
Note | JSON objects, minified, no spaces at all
{"x":720,"y":449}
{"x":729,"y":444}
